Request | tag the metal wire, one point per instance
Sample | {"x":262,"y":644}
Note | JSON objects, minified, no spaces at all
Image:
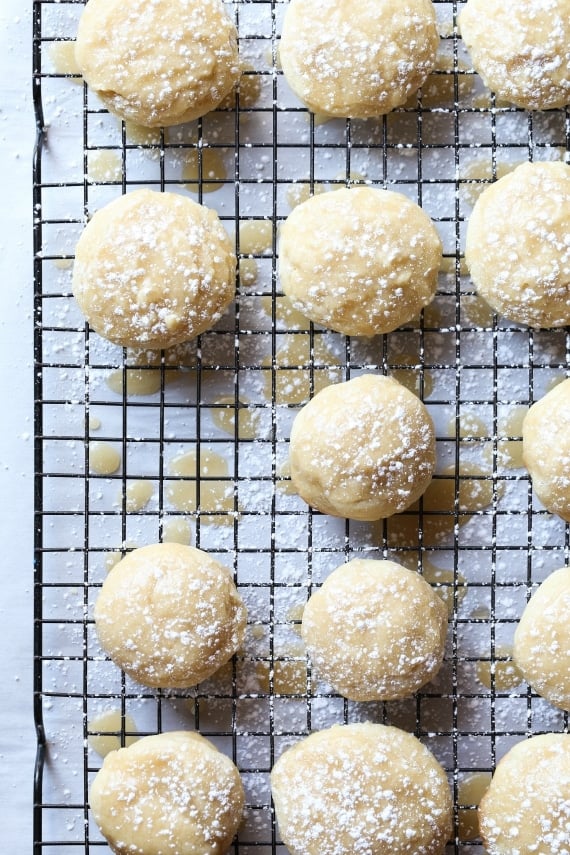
{"x":487,"y":559}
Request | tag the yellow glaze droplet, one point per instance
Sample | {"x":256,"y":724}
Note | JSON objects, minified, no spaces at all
{"x":177,"y":531}
{"x":299,"y":193}
{"x":139,"y":381}
{"x":506,"y":673}
{"x":285,"y":315}
{"x":63,"y":263}
{"x":139,"y":135}
{"x":105,"y":732}
{"x":103,"y":458}
{"x":476,"y":311}
{"x":295,"y":616}
{"x":470,"y":792}
{"x":112,"y":559}
{"x":216,"y":496}
{"x":293,"y":372}
{"x":481,"y":613}
{"x":283,"y":482}
{"x":62,"y":55}
{"x":248,"y":271}
{"x":480,"y":173}
{"x":439,"y":88}
{"x":443,"y":581}
{"x":224,"y":417}
{"x":289,"y":677}
{"x":470,"y":425}
{"x":438,"y":518}
{"x":213,"y":171}
{"x":510,"y":450}
{"x":138,"y":495}
{"x":449,"y":264}
{"x":104,"y":165}
{"x":411,"y":377}
{"x":255,"y":236}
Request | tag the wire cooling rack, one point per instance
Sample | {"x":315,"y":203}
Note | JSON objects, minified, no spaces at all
{"x":480,"y":535}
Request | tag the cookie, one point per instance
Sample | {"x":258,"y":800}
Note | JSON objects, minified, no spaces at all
{"x":357,"y":59}
{"x":171,"y":793}
{"x":546,"y":449}
{"x":153,"y":270}
{"x":517,"y":248}
{"x":158,"y":63}
{"x":364,"y":449}
{"x":521,"y":49}
{"x":169,"y":615}
{"x":375,"y":630}
{"x":361,"y":788}
{"x":526,"y":809}
{"x":359,"y":261}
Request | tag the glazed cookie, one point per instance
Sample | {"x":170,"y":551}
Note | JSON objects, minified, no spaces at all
{"x":546,"y":449}
{"x":361,"y":788}
{"x":542,"y":640}
{"x":364,"y":449}
{"x":357,"y":59}
{"x":520,"y":262}
{"x":359,"y":261}
{"x":153,"y":270}
{"x":158,"y":63}
{"x":526,"y":809}
{"x":375,"y":631}
{"x":172,"y":793}
{"x":521,"y":49}
{"x":169,"y":615}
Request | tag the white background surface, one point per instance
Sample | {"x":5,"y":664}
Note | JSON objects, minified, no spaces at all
{"x":17,"y":738}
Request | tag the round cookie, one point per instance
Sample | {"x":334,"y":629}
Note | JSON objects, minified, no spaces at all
{"x":364,"y":449}
{"x":172,"y":793}
{"x":526,"y":809}
{"x":153,"y":270}
{"x":357,"y":59}
{"x":546,"y":449}
{"x":359,"y":261}
{"x":520,"y":262}
{"x":158,"y":63}
{"x":361,"y":788}
{"x":521,"y":49}
{"x":169,"y":615}
{"x":542,"y":640}
{"x":375,"y":630}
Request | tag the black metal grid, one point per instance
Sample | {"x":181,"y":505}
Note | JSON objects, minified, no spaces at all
{"x":464,"y":364}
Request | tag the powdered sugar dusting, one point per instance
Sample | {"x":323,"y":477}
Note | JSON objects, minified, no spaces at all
{"x":363,"y":449}
{"x":169,"y":615}
{"x":535,"y":818}
{"x":364,"y":789}
{"x":546,"y":448}
{"x":459,"y":358}
{"x":542,"y":639}
{"x":521,"y":49}
{"x":170,"y":65}
{"x":173,"y":793}
{"x":344,"y":59}
{"x":153,"y":270}
{"x":359,"y":261}
{"x":375,"y":630}
{"x":521,"y":264}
